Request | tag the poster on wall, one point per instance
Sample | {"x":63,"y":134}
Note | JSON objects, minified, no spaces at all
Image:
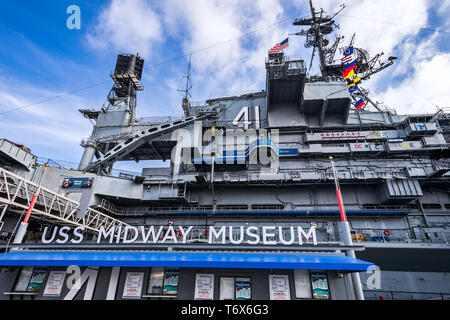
{"x":54,"y":284}
{"x":204,"y":287}
{"x":171,"y":282}
{"x":302,"y":284}
{"x":133,"y":285}
{"x":37,"y":279}
{"x":80,"y":183}
{"x":156,"y":281}
{"x":320,"y":285}
{"x":279,"y":287}
{"x":243,"y":289}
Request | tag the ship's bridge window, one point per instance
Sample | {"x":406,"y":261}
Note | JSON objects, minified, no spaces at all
{"x":431,"y":206}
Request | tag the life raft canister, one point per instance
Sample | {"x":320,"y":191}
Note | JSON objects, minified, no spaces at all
{"x":387,"y":233}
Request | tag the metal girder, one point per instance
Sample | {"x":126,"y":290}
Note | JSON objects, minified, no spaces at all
{"x":16,"y":191}
{"x":138,"y":139}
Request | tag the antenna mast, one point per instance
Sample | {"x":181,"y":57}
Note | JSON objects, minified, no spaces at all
{"x":185,"y":104}
{"x":320,"y":25}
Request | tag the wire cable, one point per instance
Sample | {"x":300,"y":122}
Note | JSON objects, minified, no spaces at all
{"x":54,"y":97}
{"x":211,"y":47}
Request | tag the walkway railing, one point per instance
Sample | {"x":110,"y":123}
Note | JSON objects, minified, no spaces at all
{"x":17,"y":192}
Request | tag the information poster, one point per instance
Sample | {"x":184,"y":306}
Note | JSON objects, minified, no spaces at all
{"x":156,"y":281}
{"x":133,"y":285}
{"x":204,"y":287}
{"x":37,"y":279}
{"x":24,"y":279}
{"x":54,"y":284}
{"x":320,"y":285}
{"x":243,"y":289}
{"x":226,"y":288}
{"x":302,"y":284}
{"x":171,"y":282}
{"x":279,"y":287}
{"x":80,"y":183}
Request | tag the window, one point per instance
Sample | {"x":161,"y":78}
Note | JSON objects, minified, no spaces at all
{"x":431,"y":206}
{"x":232,"y":288}
{"x":302,"y":284}
{"x":30,"y":279}
{"x":163,"y":281}
{"x":267,"y":207}
{"x":232,"y":207}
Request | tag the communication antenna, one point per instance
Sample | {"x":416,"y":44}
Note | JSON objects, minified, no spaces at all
{"x":185,"y":104}
{"x":320,"y":25}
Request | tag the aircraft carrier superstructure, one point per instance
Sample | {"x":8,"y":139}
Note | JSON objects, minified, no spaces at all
{"x":257,"y":159}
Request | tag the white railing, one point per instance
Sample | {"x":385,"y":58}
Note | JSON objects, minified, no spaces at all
{"x":18,"y":192}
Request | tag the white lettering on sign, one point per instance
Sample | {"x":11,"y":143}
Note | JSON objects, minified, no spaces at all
{"x":266,"y":235}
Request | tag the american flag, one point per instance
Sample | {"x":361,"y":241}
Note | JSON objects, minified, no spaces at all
{"x":280,"y":46}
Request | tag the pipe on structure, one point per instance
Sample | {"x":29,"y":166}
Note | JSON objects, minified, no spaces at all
{"x":86,"y":159}
{"x":345,"y":228}
{"x":24,"y":224}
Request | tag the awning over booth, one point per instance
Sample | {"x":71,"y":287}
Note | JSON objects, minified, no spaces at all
{"x":182,"y":260}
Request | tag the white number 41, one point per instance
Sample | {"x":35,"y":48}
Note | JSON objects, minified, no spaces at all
{"x":244,"y":113}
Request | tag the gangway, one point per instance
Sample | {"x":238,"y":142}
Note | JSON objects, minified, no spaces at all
{"x":17,"y":192}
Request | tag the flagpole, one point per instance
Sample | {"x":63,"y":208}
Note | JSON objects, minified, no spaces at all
{"x":24,"y":224}
{"x":346,"y":234}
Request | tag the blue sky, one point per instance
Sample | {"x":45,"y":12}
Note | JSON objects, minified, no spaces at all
{"x":41,"y":60}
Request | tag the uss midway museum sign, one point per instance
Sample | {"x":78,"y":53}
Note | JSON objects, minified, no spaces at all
{"x":251,"y":235}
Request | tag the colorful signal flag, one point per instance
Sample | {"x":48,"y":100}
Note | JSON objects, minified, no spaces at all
{"x":348,"y":74}
{"x":353,"y":82}
{"x":348,"y":52}
{"x":361,"y":103}
{"x":350,"y":66}
{"x":353,"y":89}
{"x":346,"y":60}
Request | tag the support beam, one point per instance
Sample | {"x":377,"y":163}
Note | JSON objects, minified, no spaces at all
{"x":126,"y":147}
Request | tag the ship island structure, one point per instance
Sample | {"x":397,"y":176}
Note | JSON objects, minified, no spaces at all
{"x":251,"y":204}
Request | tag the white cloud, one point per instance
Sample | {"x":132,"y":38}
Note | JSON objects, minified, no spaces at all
{"x":130,"y":25}
{"x":232,"y":61}
{"x":393,"y":28}
{"x":426,"y":86}
{"x":53,"y":128}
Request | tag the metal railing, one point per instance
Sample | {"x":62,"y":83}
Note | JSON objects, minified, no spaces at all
{"x":157,"y":120}
{"x":18,"y":192}
{"x":386,"y":236}
{"x":404,"y":295}
{"x":130,"y":211}
{"x":61,"y":164}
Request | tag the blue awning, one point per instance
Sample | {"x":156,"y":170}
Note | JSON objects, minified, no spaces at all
{"x":183,"y":260}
